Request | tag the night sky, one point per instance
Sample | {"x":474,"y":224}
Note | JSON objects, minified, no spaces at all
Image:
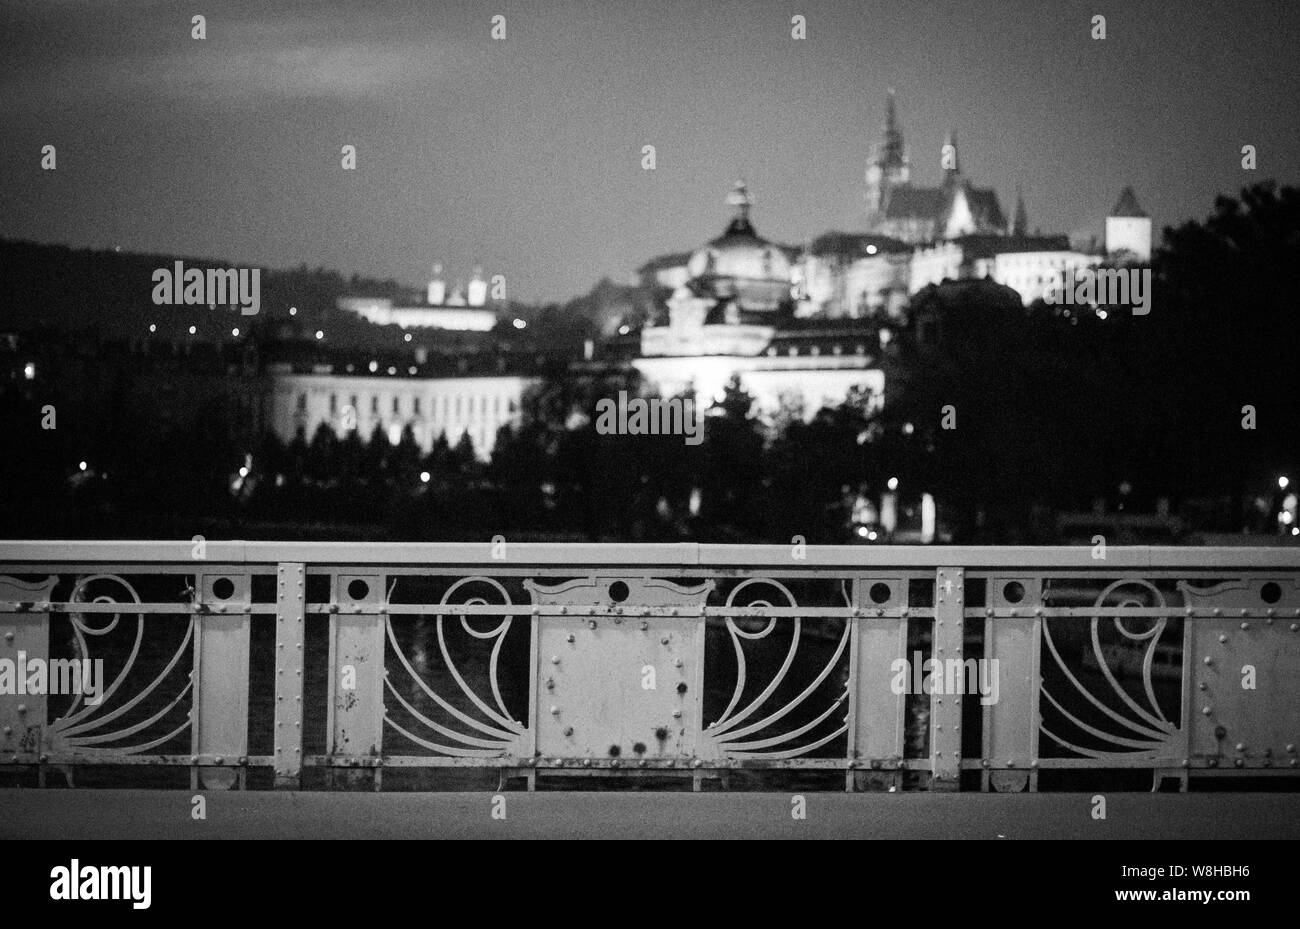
{"x":525,"y":155}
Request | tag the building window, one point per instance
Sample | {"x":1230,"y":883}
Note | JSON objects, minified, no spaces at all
{"x":374,"y":404}
{"x":415,"y":405}
{"x":302,"y":403}
{"x":397,"y":404}
{"x":334,"y":403}
{"x":353,"y":401}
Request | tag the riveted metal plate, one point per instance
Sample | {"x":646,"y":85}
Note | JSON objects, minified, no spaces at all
{"x":1245,"y":696}
{"x":24,"y":637}
{"x":615,"y":685}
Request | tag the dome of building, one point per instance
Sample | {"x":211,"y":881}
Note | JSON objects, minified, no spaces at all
{"x":740,"y":263}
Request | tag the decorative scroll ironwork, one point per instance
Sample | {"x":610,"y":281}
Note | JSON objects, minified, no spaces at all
{"x":728,"y":733}
{"x":499,"y":733}
{"x":84,"y":728}
{"x":1138,"y":726}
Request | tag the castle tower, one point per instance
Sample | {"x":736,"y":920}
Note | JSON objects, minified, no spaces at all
{"x":437,"y":287}
{"x":1128,"y":230}
{"x":477,"y":288}
{"x":888,"y":166}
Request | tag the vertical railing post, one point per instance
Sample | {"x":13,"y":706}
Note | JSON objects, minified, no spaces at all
{"x":1012,"y":636}
{"x":945,"y":706}
{"x":290,"y":638}
{"x":221,"y":643}
{"x":358,"y":613}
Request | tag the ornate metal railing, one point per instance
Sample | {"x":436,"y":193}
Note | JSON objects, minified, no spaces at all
{"x":273,"y":663}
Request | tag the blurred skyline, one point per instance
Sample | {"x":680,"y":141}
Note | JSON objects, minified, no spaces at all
{"x":524,"y":155}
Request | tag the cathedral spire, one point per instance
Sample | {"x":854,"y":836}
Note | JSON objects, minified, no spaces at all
{"x":891,"y":148}
{"x":1020,"y":226}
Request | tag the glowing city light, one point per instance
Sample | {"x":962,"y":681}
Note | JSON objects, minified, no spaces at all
{"x":243,"y":472}
{"x":893,"y":483}
{"x":392,"y":371}
{"x":193,"y":329}
{"x":407,"y":337}
{"x":424,"y":476}
{"x":862,"y":531}
{"x":293,"y":311}
{"x":871,"y":249}
{"x":29,"y":371}
{"x":82,"y":466}
{"x":520,"y":324}
{"x":319,"y":334}
{"x":153,"y":328}
{"x":235,"y":333}
{"x":1283,"y":482}
{"x":624,"y":330}
{"x":374,"y":366}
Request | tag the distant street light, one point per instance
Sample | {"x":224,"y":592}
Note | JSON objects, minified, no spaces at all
{"x":520,"y":324}
{"x":319,"y":334}
{"x":1283,"y":482}
{"x":893,"y":483}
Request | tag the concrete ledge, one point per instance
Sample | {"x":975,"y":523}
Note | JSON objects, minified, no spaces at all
{"x":137,"y":814}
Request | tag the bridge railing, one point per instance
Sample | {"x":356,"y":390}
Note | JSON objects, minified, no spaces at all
{"x":260,"y":664}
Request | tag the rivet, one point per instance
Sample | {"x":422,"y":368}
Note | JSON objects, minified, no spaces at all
{"x":563,"y":610}
{"x":1209,"y":660}
{"x":1290,"y":748}
{"x":9,"y":636}
{"x":984,"y":762}
{"x":555,"y":659}
{"x":555,"y":711}
{"x":677,"y":662}
{"x":1241,"y":746}
{"x":568,"y":730}
{"x":988,"y":611}
{"x":220,"y":760}
{"x":1222,"y":638}
{"x":1186,"y":763}
{"x":43,"y":759}
{"x":569,"y":637}
{"x":1011,"y":762}
{"x":696,"y":763}
{"x":1245,"y":625}
{"x":9,"y":730}
{"x":643,"y":626}
{"x":591,"y":624}
{"x":664,"y":640}
{"x":1205,"y":711}
{"x":22,"y":708}
{"x":677,"y":714}
{"x":1203,"y":686}
{"x":1240,"y":763}
{"x":1213,"y":762}
{"x":550,"y":683}
{"x":194,"y":759}
{"x":586,"y":762}
{"x":1218,"y":611}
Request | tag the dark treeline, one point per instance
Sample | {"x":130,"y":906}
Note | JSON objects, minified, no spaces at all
{"x":1055,"y":408}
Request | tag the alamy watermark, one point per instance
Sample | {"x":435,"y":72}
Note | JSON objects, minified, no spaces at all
{"x":638,"y":416}
{"x":950,"y":676}
{"x":40,"y":677}
{"x":1129,"y":287}
{"x":179,"y":286}
{"x":103,"y":882}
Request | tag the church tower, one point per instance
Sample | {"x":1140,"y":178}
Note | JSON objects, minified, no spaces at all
{"x":948,"y":162}
{"x":1128,"y":230}
{"x":888,"y":167}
